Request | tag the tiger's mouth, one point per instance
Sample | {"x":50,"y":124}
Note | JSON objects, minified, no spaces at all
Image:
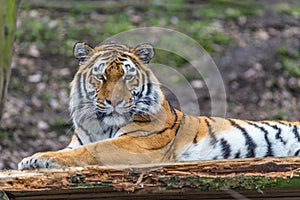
{"x":114,"y":118}
{"x":100,"y":115}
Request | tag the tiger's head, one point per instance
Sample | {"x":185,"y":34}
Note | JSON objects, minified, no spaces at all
{"x":113,"y":84}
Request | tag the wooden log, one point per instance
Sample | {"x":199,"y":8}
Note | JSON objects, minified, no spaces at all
{"x":239,"y":178}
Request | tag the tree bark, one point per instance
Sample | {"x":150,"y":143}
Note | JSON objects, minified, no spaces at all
{"x":8,"y":15}
{"x":223,"y":179}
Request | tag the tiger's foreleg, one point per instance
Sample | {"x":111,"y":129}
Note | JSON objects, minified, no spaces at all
{"x":79,"y":156}
{"x":118,"y":151}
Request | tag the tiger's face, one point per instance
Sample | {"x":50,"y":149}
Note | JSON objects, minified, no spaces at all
{"x":115,"y":83}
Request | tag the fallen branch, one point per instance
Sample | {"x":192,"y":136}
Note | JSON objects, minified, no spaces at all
{"x":258,"y":177}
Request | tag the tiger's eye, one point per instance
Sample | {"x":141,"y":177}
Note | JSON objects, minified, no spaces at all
{"x":100,"y":77}
{"x":128,"y":77}
{"x":127,"y":66}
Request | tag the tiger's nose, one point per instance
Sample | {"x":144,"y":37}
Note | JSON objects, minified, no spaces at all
{"x":113,"y":102}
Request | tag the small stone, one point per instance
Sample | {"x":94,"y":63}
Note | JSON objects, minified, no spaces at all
{"x":35,"y":78}
{"x":250,"y":73}
{"x":54,"y":103}
{"x":42,"y":125}
{"x":64,"y":72}
{"x":257,"y":66}
{"x":261,"y":34}
{"x":41,"y":87}
{"x":197,"y":84}
{"x":33,"y":51}
{"x":291,"y":32}
{"x":36,"y":102}
{"x":242,"y":20}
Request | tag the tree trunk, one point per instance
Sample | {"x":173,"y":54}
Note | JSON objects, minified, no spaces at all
{"x":8,"y":15}
{"x":218,"y":179}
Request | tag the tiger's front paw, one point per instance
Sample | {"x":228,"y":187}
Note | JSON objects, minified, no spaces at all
{"x":41,"y":160}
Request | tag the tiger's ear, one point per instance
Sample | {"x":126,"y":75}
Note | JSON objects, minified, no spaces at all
{"x":82,"y":51}
{"x":145,"y":52}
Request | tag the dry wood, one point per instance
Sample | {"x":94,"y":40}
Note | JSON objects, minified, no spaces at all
{"x":258,"y":177}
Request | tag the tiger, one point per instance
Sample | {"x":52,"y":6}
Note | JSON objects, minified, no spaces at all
{"x":122,"y":117}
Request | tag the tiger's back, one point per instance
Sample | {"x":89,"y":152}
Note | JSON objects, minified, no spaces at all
{"x":121,"y":116}
{"x":219,"y":138}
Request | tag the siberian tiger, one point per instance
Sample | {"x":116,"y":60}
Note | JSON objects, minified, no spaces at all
{"x":122,"y":117}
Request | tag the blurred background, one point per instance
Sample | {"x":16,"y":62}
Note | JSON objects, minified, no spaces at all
{"x":255,"y":44}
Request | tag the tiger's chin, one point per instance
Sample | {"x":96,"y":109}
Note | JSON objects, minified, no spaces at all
{"x":114,"y":119}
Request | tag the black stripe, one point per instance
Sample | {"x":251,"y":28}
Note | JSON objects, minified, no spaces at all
{"x":140,"y":121}
{"x":88,"y":63}
{"x":278,"y":134}
{"x":155,"y":97}
{"x":86,"y":132}
{"x":211,"y":118}
{"x":279,"y":137}
{"x":105,"y":56}
{"x":90,"y":80}
{"x":166,"y":128}
{"x":195,"y":138}
{"x":210,"y":133}
{"x":137,"y":65}
{"x":110,"y":132}
{"x":149,"y":89}
{"x":114,"y":46}
{"x":171,"y":107}
{"x":225,"y":148}
{"x":145,"y":120}
{"x":297,"y":152}
{"x":143,"y":87}
{"x":84,"y":85}
{"x":89,"y":95}
{"x":79,"y":140}
{"x":122,"y":58}
{"x":296,"y":133}
{"x":135,"y":131}
{"x":173,"y":141}
{"x":78,"y":84}
{"x":266,"y":133}
{"x":238,"y":154}
{"x":149,"y":84}
{"x":115,"y":131}
{"x":283,"y":123}
{"x":249,"y":141}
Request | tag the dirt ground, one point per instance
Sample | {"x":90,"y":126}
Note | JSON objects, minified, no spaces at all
{"x":260,"y":69}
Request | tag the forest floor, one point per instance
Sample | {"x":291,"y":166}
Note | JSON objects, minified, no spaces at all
{"x":255,"y":45}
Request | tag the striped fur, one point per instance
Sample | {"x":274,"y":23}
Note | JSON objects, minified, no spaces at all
{"x":122,"y":117}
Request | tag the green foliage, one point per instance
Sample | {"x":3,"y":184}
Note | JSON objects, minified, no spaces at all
{"x":290,"y":61}
{"x":285,"y":8}
{"x":56,"y":35}
{"x":236,"y":182}
{"x":161,"y":55}
{"x":8,"y":12}
{"x":291,"y":66}
{"x":47,"y":96}
{"x":4,"y":196}
{"x":282,"y":51}
{"x":7,"y":137}
{"x":229,"y":9}
{"x":16,"y":84}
